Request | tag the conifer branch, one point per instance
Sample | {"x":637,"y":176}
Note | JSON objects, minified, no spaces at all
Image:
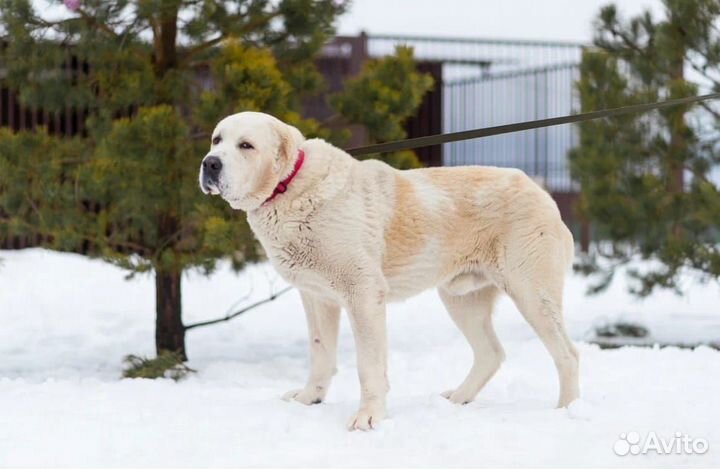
{"x":248,"y":27}
{"x":37,"y":231}
{"x":202,"y":135}
{"x":626,"y":41}
{"x":703,"y":71}
{"x":92,"y":21}
{"x":201,"y":47}
{"x":712,"y":111}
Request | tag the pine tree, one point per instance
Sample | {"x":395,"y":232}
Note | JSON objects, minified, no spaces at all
{"x":645,"y":183}
{"x":154,"y":78}
{"x":385,"y":94}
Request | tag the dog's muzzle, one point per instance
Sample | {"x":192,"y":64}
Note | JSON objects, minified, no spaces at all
{"x":210,"y":174}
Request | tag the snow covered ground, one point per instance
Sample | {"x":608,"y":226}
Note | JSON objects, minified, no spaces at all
{"x":67,"y":322}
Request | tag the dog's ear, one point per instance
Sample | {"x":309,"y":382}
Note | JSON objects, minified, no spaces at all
{"x":290,"y":140}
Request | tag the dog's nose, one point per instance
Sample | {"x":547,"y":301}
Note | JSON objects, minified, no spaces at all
{"x":212,"y":166}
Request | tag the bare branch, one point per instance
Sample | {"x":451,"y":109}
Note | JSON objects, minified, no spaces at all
{"x":241,"y":311}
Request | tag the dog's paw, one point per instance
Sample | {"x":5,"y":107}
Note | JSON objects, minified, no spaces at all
{"x":366,"y":418}
{"x":457,"y":396}
{"x":305,"y":396}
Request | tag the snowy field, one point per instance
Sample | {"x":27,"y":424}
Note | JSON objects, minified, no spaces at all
{"x":67,"y":322}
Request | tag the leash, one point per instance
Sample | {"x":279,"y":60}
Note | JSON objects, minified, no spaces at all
{"x":437,"y":139}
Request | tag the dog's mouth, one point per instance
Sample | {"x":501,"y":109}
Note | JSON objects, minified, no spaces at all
{"x":210,"y":187}
{"x":213,"y":190}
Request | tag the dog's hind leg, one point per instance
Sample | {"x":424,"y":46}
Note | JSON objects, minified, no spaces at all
{"x":540,"y":302}
{"x":472,"y":312}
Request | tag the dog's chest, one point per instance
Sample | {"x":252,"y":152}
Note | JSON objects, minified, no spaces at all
{"x":289,"y":242}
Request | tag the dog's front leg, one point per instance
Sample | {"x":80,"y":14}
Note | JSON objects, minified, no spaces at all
{"x":367,"y":318}
{"x":323,"y":319}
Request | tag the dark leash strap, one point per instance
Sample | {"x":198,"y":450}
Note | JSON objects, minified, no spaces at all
{"x":437,"y":139}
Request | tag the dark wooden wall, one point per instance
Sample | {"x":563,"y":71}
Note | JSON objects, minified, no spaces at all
{"x":428,"y":119}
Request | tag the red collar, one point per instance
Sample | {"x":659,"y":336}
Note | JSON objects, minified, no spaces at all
{"x":283,"y":185}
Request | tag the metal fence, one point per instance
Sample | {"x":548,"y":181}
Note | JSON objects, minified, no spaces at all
{"x":470,"y":57}
{"x":514,"y":97}
{"x":489,"y":82}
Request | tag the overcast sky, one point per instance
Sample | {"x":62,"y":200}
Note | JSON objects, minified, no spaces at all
{"x":516,"y":19}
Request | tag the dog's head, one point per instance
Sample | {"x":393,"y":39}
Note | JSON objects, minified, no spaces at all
{"x":250,"y":152}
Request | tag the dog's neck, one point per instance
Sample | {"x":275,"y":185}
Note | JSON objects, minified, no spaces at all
{"x":324,"y":173}
{"x":282,"y":186}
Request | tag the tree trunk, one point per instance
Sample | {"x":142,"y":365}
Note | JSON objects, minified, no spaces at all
{"x":678,"y":128}
{"x":678,"y":143}
{"x":169,"y":329}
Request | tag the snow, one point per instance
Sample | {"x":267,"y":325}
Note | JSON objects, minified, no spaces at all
{"x":67,"y":322}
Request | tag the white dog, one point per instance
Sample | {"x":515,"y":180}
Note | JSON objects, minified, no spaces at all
{"x":357,"y":234}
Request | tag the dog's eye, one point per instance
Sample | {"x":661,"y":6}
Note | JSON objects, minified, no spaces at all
{"x":216,"y":140}
{"x":245,"y":145}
